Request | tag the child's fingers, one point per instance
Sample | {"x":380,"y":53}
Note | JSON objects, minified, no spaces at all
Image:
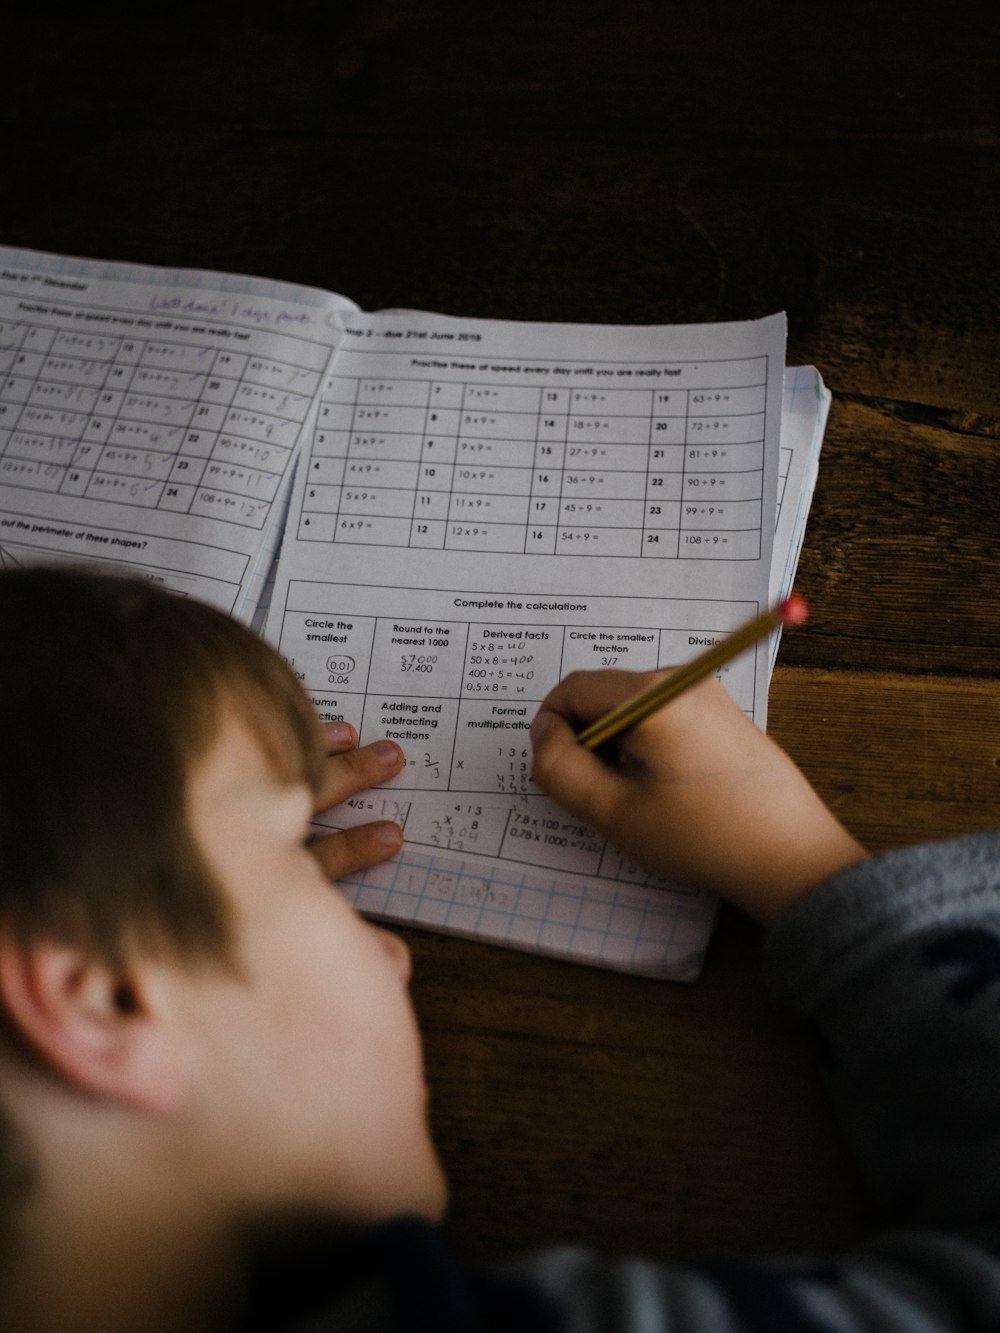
{"x":350,"y":850}
{"x":339,"y":736}
{"x":573,"y":776}
{"x":583,"y":696}
{"x":354,"y":770}
{"x":578,"y":778}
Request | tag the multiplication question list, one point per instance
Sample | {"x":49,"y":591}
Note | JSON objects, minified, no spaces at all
{"x":483,"y":508}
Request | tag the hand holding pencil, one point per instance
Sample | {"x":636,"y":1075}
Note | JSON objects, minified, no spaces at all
{"x":697,"y":792}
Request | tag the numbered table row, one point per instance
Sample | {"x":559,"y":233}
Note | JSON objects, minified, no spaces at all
{"x":144,"y":427}
{"x":693,"y":539}
{"x":202,"y":380}
{"x":408,"y":663}
{"x":659,"y":510}
{"x":740,"y":479}
{"x":740,"y":389}
{"x":205,"y":403}
{"x":534,"y":832}
{"x":344,"y":429}
{"x":142,"y":453}
{"x":230,"y":505}
{"x":68,"y":354}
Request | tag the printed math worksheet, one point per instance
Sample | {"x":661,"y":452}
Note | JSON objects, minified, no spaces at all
{"x":482,"y":507}
{"x":433,"y":519}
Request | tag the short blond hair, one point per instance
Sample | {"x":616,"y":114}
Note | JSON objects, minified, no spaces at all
{"x":110,"y":689}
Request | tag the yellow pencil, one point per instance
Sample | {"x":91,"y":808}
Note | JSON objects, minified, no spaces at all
{"x":791,"y":611}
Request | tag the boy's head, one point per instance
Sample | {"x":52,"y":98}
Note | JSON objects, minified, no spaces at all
{"x":170,"y":951}
{"x":110,"y":690}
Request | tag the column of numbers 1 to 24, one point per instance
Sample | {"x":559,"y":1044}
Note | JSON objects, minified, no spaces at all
{"x":669,"y":473}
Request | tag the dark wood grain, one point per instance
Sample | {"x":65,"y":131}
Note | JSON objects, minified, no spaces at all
{"x":901,"y":565}
{"x":638,"y":162}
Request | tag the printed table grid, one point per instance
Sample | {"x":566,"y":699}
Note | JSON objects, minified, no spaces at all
{"x":458,"y":693}
{"x":524,"y":469}
{"x":630,"y":929}
{"x":148,"y":422}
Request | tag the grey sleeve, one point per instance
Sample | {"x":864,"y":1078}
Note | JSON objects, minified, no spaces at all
{"x":895,"y":962}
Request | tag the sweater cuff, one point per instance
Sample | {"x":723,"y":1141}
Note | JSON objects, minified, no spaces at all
{"x":844,"y":923}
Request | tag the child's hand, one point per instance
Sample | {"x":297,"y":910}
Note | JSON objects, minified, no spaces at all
{"x":695,"y":793}
{"x":348,"y":771}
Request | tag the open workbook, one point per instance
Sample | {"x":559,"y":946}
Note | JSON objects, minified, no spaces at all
{"x":433,"y":519}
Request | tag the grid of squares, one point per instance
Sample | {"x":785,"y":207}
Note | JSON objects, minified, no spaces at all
{"x":625,"y":927}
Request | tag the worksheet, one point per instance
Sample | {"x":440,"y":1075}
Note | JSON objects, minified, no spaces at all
{"x":433,"y":519}
{"x":482,"y":507}
{"x":150,"y":419}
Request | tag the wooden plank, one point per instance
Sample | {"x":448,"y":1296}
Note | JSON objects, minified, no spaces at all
{"x":901,"y":759}
{"x":900,"y":562}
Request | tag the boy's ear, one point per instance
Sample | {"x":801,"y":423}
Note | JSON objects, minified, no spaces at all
{"x":98,"y":1028}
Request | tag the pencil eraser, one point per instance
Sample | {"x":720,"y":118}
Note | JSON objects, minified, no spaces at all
{"x":794,"y":610}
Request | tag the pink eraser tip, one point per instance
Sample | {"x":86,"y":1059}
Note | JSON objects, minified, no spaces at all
{"x":793,"y":610}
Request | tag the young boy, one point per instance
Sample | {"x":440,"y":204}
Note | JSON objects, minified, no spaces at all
{"x":204,"y":1053}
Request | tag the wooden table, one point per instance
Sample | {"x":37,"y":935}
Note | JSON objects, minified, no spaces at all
{"x":628,"y":163}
